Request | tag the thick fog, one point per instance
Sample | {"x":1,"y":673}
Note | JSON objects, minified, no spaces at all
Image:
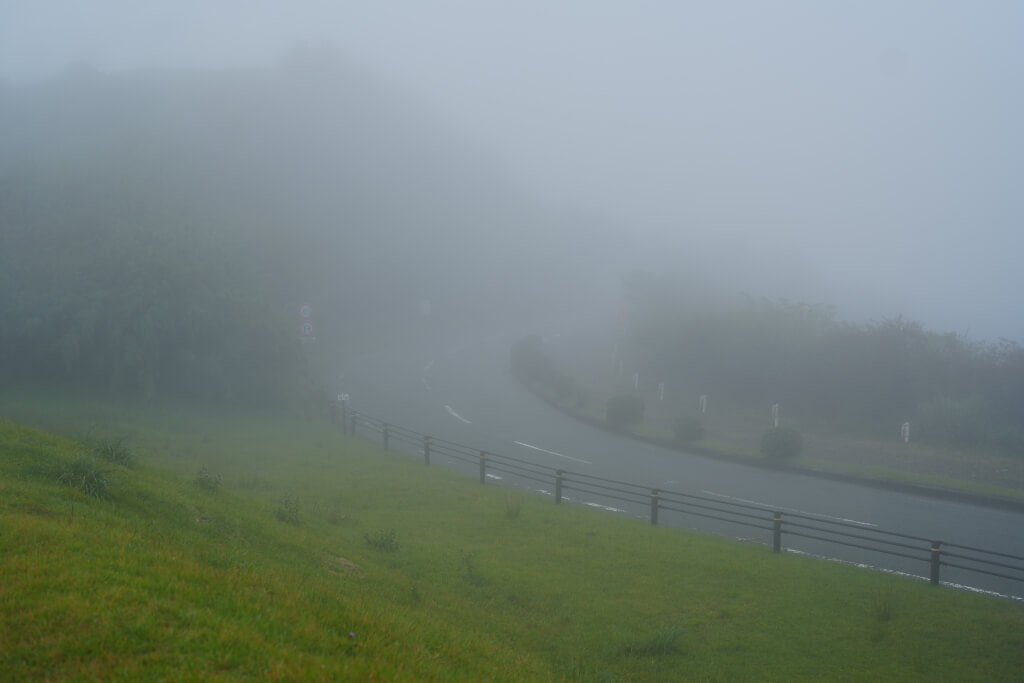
{"x":867,"y":155}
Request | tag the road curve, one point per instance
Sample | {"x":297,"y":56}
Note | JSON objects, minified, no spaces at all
{"x":461,"y":389}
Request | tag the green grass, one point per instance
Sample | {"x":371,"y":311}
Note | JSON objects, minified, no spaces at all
{"x":391,"y":570}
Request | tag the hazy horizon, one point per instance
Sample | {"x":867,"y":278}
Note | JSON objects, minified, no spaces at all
{"x":864,"y":156}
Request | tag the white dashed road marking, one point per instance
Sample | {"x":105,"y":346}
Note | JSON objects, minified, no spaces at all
{"x":456,"y":415}
{"x":559,"y":455}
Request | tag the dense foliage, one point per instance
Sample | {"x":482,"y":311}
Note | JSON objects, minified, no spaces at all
{"x":93,"y":301}
{"x":159,"y":230}
{"x":858,"y":378}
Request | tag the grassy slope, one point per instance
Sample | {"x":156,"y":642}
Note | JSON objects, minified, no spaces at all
{"x":166,"y":580}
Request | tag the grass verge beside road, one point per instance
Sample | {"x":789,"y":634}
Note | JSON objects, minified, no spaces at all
{"x":928,"y":484}
{"x":240,"y":547}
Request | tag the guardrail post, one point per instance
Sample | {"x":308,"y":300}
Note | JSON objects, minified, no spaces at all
{"x":384,"y":434}
{"x":426,"y":450}
{"x":558,"y":487}
{"x":352,"y":428}
{"x":777,"y":533}
{"x":483,"y":465}
{"x":343,"y":408}
{"x":936,"y":554}
{"x":654,"y":507}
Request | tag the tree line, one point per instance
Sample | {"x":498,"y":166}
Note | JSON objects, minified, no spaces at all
{"x":854,"y":378}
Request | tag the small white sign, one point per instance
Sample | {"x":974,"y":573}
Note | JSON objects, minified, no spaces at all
{"x":307,"y":329}
{"x":343,"y":398}
{"x":305,"y":310}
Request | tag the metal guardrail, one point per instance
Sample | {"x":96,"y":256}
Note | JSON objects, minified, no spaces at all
{"x":935,"y":553}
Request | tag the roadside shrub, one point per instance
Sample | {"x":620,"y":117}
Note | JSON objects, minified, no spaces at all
{"x":83,"y":475}
{"x":625,"y":410}
{"x":781,"y":443}
{"x":689,"y":429}
{"x":528,"y":359}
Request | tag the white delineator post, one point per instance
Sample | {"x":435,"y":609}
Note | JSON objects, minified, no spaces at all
{"x":636,"y":381}
{"x":703,"y":404}
{"x":661,"y":391}
{"x":905,"y":432}
{"x":775,"y":415}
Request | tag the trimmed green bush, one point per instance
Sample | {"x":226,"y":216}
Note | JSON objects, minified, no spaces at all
{"x":564,"y":386}
{"x":689,"y":429}
{"x":625,"y":410}
{"x":781,"y":443}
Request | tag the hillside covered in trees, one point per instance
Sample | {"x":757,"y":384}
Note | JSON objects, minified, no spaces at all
{"x":158,"y":230}
{"x":855,"y":378}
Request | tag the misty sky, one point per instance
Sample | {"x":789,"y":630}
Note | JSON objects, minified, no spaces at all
{"x":875,"y":150}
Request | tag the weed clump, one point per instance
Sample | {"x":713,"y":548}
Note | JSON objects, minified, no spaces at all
{"x":84,"y":475}
{"x":109,"y":448}
{"x":470,"y":573}
{"x":382,"y":540}
{"x":288,"y":510}
{"x":664,"y":641}
{"x":884,"y":606}
{"x":207,"y":480}
{"x":513,"y":506}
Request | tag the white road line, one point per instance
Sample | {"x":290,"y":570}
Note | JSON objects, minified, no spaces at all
{"x":784,"y":509}
{"x":493,"y":476}
{"x":559,"y":455}
{"x":604,"y":507}
{"x":426,"y":384}
{"x":456,"y":415}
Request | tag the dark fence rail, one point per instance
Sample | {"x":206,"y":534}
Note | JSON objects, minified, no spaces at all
{"x":932,"y":553}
